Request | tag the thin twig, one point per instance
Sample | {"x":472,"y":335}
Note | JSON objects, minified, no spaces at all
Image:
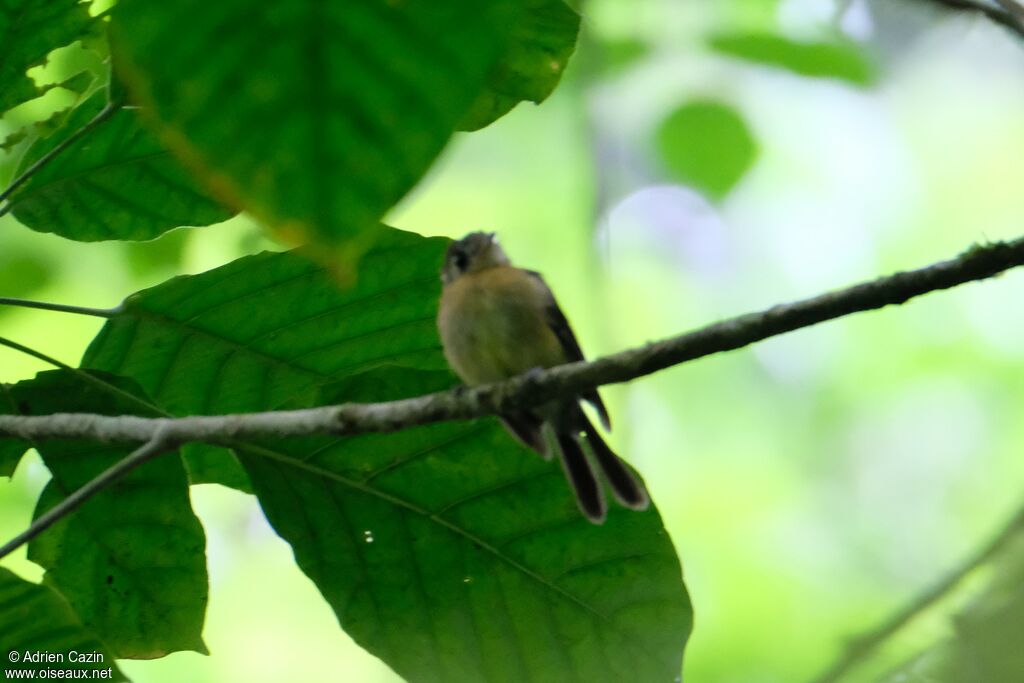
{"x":61,"y":308}
{"x":107,"y":387}
{"x":862,"y":646}
{"x":1003,"y":17}
{"x":28,"y":351}
{"x":42,"y":161}
{"x":147,"y":451}
{"x":977,"y":263}
{"x":1014,"y":9}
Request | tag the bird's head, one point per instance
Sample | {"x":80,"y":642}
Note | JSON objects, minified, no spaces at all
{"x":475,"y":252}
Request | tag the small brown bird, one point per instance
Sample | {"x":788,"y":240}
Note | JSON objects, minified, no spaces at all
{"x":497,"y":321}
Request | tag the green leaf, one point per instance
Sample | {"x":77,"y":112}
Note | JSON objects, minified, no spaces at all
{"x":195,"y":345}
{"x":315,"y":116}
{"x":11,"y":450}
{"x":841,"y":59}
{"x":617,"y":55}
{"x":708,"y":145}
{"x":542,"y":42}
{"x":269,"y":329}
{"x":454,"y":554}
{"x":116,"y":182}
{"x":30,"y":30}
{"x":477,"y":564}
{"x":34,"y":618}
{"x":131,"y":560}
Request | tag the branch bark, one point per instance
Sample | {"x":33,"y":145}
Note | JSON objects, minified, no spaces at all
{"x":977,"y":263}
{"x":1007,"y":14}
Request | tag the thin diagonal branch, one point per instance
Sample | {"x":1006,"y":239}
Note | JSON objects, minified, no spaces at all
{"x":1004,"y":15}
{"x":1014,"y":9}
{"x":42,"y":161}
{"x":977,"y":263}
{"x":60,"y":308}
{"x":863,"y":646}
{"x":21,"y":348}
{"x":147,"y":451}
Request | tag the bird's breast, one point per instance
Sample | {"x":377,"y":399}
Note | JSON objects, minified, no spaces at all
{"x":493,"y":325}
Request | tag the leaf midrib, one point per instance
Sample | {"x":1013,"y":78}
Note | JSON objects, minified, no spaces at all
{"x":263,"y":451}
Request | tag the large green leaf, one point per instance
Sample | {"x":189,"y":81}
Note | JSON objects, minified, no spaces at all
{"x":315,"y":116}
{"x":131,"y":560}
{"x":269,"y":329}
{"x":116,"y":182}
{"x":842,"y":58}
{"x":455,"y":555}
{"x":34,"y":618}
{"x":542,"y":42}
{"x":196,"y":346}
{"x":706,"y":144}
{"x":447,"y":550}
{"x":29,"y":30}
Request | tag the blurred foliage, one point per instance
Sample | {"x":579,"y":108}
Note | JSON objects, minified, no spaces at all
{"x":842,"y":59}
{"x":708,"y":145}
{"x":319,"y":137}
{"x":985,"y":645}
{"x":542,"y":42}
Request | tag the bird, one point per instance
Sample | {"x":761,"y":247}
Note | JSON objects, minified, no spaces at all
{"x":497,"y":321}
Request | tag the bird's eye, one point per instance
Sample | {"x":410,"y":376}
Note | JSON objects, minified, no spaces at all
{"x":461,"y":260}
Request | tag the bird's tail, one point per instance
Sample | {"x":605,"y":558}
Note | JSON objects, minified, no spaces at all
{"x":628,"y":490}
{"x":578,"y":471}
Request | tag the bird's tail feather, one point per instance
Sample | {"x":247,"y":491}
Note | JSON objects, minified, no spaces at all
{"x":628,"y":490}
{"x":578,"y":471}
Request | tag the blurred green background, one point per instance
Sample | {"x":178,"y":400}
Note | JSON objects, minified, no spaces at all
{"x":813,"y":483}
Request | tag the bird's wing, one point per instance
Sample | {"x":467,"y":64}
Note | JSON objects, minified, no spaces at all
{"x":560,"y":326}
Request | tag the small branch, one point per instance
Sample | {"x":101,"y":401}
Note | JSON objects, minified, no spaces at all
{"x":147,"y":451}
{"x":42,"y":161}
{"x":864,"y":645}
{"x":1014,"y":9}
{"x":977,"y":263}
{"x":61,"y":308}
{"x":1008,"y":17}
{"x":21,"y":348}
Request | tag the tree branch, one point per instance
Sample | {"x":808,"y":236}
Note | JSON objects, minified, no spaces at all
{"x":1005,"y":15}
{"x":977,"y":263}
{"x":60,"y":308}
{"x":862,"y":646}
{"x":1014,"y":9}
{"x":147,"y":451}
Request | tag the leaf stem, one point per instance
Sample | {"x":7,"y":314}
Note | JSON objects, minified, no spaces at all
{"x":865,"y":644}
{"x":21,"y":348}
{"x":61,"y":308}
{"x":147,"y":451}
{"x":42,"y":161}
{"x":85,"y":376}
